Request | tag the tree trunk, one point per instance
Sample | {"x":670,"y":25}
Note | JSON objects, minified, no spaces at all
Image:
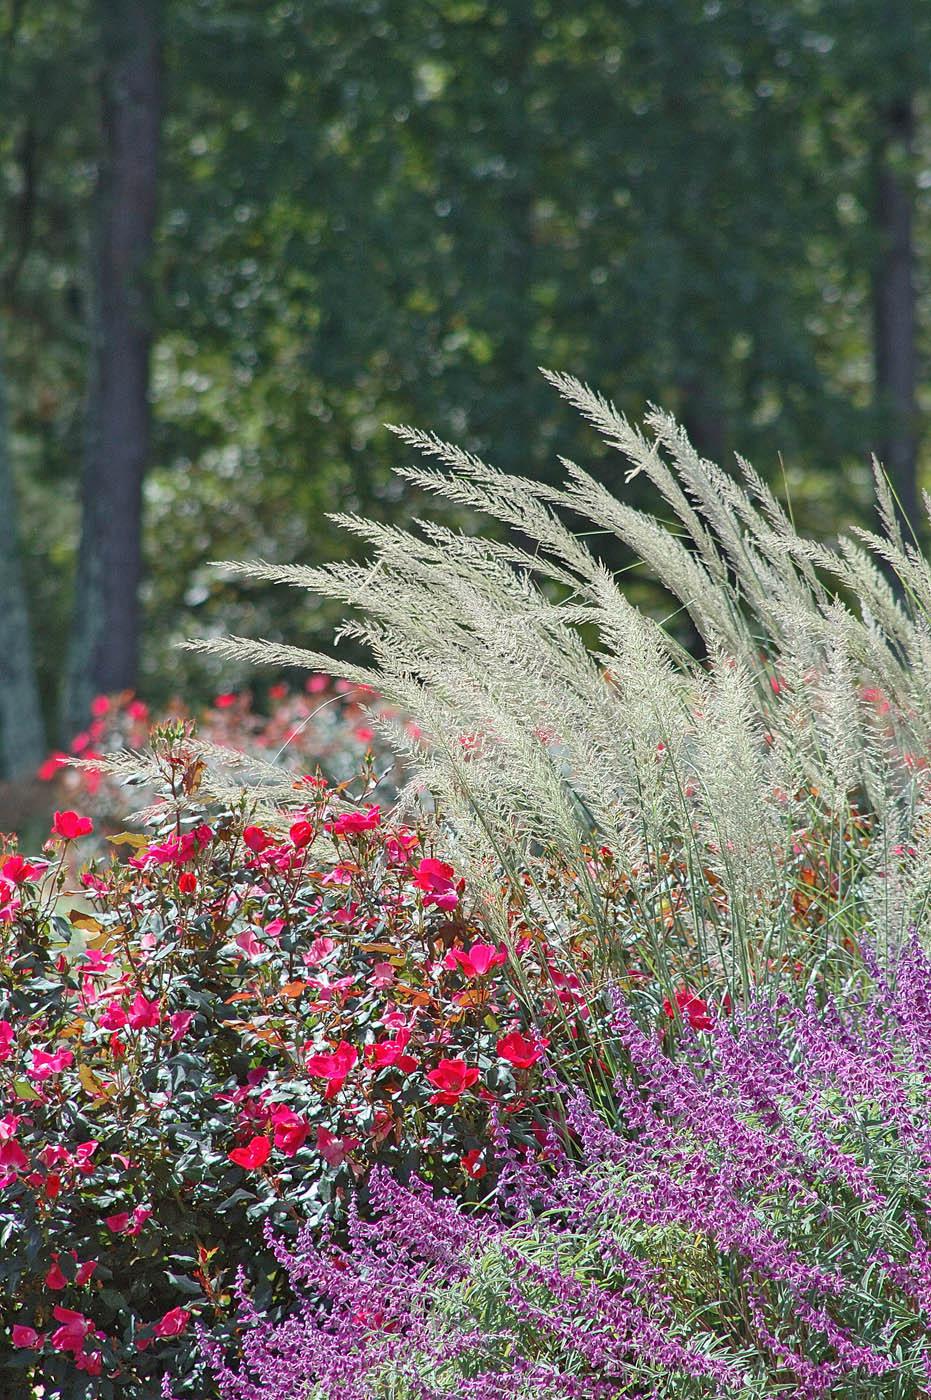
{"x":104,"y":646}
{"x":703,"y":418}
{"x":22,"y":737}
{"x":894,"y":314}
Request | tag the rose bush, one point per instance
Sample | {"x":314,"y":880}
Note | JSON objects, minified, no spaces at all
{"x":231,"y":1023}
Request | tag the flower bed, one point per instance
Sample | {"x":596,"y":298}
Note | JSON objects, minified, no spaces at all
{"x":577,"y":1079}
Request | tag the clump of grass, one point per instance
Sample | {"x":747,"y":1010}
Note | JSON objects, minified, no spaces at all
{"x":758,"y":808}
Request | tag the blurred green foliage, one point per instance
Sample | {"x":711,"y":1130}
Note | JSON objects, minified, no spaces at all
{"x":373,"y":211}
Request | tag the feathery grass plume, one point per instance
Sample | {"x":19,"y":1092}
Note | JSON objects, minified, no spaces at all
{"x":757,"y":810}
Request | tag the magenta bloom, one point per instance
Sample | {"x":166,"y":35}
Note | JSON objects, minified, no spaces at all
{"x":451,"y":1079}
{"x":180,"y":1022}
{"x":143,"y":1013}
{"x":520,"y":1051}
{"x":392,"y":1053}
{"x":114,"y":1018}
{"x":173,"y":1323}
{"x":70,"y":1336}
{"x":122,"y":1223}
{"x":333,"y":1067}
{"x":12,"y":1156}
{"x":436,"y":879}
{"x":355,"y":823}
{"x":291,"y":1130}
{"x":26,"y":1336}
{"x":44,"y":1064}
{"x":478,"y":961}
{"x":334,"y":1150}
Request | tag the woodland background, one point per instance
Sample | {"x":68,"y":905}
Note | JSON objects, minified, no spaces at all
{"x":236,"y":238}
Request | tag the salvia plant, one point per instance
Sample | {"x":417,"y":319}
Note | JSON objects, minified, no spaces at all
{"x":752,"y":1221}
{"x":793,"y":753}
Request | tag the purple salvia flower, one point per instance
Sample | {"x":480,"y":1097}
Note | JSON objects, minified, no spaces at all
{"x":754,"y":1213}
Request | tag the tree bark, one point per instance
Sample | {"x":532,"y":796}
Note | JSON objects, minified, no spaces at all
{"x":703,"y":418}
{"x":22,"y":735}
{"x":104,"y":649}
{"x":894,"y":314}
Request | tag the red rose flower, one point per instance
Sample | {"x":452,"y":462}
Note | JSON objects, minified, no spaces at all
{"x":69,"y":826}
{"x":478,"y":961}
{"x":520,"y":1051}
{"x":12,"y":1156}
{"x":392,"y":1053}
{"x":451,"y":1078}
{"x":692,"y":1007}
{"x":26,"y":1336}
{"x":290,"y":1130}
{"x":75,"y":1327}
{"x":333,"y":1067}
{"x":256,"y":839}
{"x":17,"y":870}
{"x":44,"y":1064}
{"x":334,"y":1150}
{"x":353,"y":823}
{"x":255,"y":1154}
{"x":302,"y":833}
{"x":143,"y":1013}
{"x":436,"y":879}
{"x":473,"y":1164}
{"x":173,"y":1323}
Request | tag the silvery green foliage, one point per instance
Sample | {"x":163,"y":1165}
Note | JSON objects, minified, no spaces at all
{"x":535,"y":744}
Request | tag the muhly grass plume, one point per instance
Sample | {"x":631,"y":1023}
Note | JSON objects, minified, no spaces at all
{"x":752,"y":1222}
{"x":781,"y":771}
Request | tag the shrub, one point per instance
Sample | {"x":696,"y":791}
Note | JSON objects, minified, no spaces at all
{"x":755,"y":1222}
{"x":234,"y":1023}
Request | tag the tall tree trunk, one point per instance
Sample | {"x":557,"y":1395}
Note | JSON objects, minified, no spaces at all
{"x":22,"y":736}
{"x":104,"y":646}
{"x":894,"y":313}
